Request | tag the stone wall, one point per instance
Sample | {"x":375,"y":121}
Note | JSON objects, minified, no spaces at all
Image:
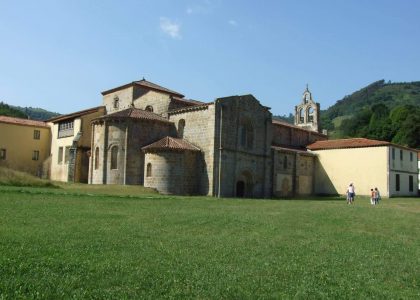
{"x":130,"y":135}
{"x":243,"y":158}
{"x":288,"y":135}
{"x":125,"y":100}
{"x":158,"y":101}
{"x":200,"y":131}
{"x":173,"y":172}
{"x":293,"y":173}
{"x":140,"y":134}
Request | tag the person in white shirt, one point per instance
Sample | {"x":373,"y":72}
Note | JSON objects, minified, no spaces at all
{"x":350,"y":193}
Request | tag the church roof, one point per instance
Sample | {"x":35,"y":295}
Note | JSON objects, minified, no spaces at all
{"x":134,"y":113}
{"x":170,"y":143}
{"x":25,"y":122}
{"x":188,"y":102}
{"x":347,"y":143}
{"x":284,"y":123}
{"x":75,"y":114}
{"x":292,"y":150}
{"x":146,"y":84}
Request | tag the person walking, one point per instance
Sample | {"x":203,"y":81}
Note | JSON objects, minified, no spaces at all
{"x":372,"y":197}
{"x":377,"y":196}
{"x":351,"y":193}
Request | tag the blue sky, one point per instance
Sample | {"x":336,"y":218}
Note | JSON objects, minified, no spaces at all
{"x":59,"y":55}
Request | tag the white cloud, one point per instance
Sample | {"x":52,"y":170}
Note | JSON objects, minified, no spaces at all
{"x":171,"y":28}
{"x":233,"y":23}
{"x":202,"y":7}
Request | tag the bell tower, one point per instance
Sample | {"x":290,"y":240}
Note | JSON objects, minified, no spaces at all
{"x":307,"y":112}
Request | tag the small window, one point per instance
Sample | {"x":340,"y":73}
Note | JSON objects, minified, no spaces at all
{"x":285,"y":162}
{"x":37,"y":134}
{"x":114,"y":157}
{"x":247,"y":135}
{"x":411,"y":156}
{"x":410,"y":183}
{"x":116,"y":103}
{"x":35,"y":155}
{"x":67,"y":155}
{"x":397,"y":182}
{"x":401,"y":155}
{"x":149,"y":170}
{"x":393,"y":154}
{"x":2,"y":154}
{"x":60,"y":155}
{"x":96,"y":158}
{"x":149,"y":108}
{"x":181,"y":126}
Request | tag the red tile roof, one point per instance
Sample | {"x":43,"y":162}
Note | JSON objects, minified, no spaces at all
{"x":190,"y":108}
{"x":25,"y":122}
{"x":347,"y":143}
{"x":292,"y":150}
{"x":283,"y":123}
{"x":134,"y":113}
{"x":170,"y":143}
{"x":188,"y":102}
{"x":75,"y":114}
{"x":146,"y":84}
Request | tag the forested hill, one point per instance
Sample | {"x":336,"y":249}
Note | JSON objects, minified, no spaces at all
{"x":25,"y":112}
{"x":382,"y":110}
{"x":36,"y":113}
{"x":6,"y":110}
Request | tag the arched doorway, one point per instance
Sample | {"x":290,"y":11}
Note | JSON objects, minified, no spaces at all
{"x":240,"y":189}
{"x":244,"y":185}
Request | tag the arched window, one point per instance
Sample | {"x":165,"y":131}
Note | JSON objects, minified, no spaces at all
{"x":247,"y":135}
{"x":149,"y":108}
{"x":310,"y":114}
{"x":114,"y":157}
{"x":301,"y":116}
{"x":285,"y":162}
{"x":96,"y":158}
{"x":149,"y":170}
{"x":181,"y":126}
{"x":116,"y":102}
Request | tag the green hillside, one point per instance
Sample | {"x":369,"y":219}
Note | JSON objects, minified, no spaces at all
{"x":383,"y":111}
{"x":6,"y":110}
{"x":33,"y":113}
{"x":36,"y":113}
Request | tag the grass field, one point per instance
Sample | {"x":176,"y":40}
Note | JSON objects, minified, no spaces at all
{"x":83,"y":242}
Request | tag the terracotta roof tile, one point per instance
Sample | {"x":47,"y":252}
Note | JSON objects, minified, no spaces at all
{"x":283,"y":123}
{"x":170,"y":143}
{"x":293,"y":150}
{"x":19,"y":121}
{"x":146,"y":84}
{"x":154,"y":86}
{"x":75,"y":114}
{"x":134,"y":113}
{"x":346,"y":143}
{"x":190,"y":108}
{"x":188,"y":102}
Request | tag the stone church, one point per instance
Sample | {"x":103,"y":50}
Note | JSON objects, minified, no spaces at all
{"x":153,"y":136}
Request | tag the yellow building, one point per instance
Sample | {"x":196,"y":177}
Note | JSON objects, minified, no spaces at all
{"x":367,"y":164}
{"x":70,"y":145}
{"x":24,"y":144}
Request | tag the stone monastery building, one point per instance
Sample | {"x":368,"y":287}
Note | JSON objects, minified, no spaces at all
{"x":145,"y":134}
{"x":149,"y":135}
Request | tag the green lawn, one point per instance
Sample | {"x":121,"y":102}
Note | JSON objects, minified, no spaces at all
{"x":72,"y":243}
